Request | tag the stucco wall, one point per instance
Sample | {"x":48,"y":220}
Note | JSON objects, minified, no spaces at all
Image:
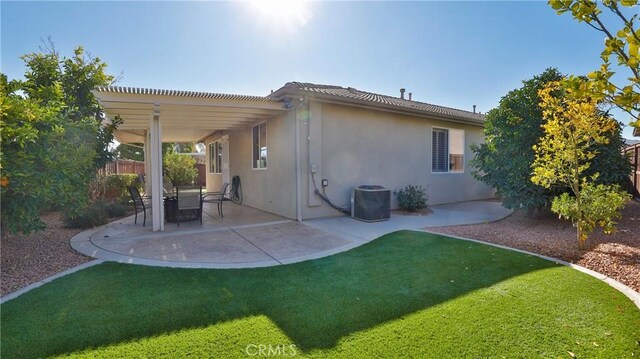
{"x":363,"y":146}
{"x":271,"y":189}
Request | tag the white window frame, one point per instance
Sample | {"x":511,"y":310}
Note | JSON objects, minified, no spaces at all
{"x":217,"y":153}
{"x":448,"y":156}
{"x":254,"y":161}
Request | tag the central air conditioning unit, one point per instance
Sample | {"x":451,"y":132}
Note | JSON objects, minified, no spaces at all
{"x":371,"y":203}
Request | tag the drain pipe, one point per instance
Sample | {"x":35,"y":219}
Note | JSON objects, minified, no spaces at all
{"x":298,"y":166}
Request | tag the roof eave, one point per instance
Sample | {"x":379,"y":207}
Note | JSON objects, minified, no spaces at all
{"x":282,"y":92}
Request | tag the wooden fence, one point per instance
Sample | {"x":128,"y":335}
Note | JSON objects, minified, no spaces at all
{"x":120,"y":166}
{"x":633,"y":152}
{"x":201,"y":180}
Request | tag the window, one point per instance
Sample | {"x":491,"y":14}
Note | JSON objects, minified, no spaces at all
{"x":260,"y":146}
{"x":447,"y":150}
{"x":215,"y":157}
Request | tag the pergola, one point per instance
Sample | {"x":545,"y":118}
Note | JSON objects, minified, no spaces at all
{"x":152,"y":116}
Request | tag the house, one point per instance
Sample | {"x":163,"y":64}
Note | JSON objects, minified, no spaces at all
{"x":288,"y":144}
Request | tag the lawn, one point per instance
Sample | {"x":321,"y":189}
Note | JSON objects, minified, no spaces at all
{"x":406,"y":294}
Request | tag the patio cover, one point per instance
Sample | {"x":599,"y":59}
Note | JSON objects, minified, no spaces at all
{"x":152,"y":116}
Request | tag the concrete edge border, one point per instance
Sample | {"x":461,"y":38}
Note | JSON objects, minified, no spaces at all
{"x":627,"y":291}
{"x":41,"y":282}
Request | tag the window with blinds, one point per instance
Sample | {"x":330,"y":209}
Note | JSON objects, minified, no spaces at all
{"x":447,"y":150}
{"x":439,"y":150}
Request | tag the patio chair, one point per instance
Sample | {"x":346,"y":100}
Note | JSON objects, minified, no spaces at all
{"x":189,"y":199}
{"x":217,"y":197}
{"x":138,"y":204}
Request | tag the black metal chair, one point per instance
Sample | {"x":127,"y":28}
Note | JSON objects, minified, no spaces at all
{"x":189,"y":199}
{"x":138,"y":204}
{"x":217,"y":197}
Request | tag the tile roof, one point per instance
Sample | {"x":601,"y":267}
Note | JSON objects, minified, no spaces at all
{"x":352,"y":95}
{"x":197,"y":94}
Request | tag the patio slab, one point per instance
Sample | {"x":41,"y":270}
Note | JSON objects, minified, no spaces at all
{"x":247,"y":237}
{"x":443,"y":215}
{"x":291,"y":240}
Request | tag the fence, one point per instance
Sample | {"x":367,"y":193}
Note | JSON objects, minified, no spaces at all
{"x":633,"y":152}
{"x":201,"y":180}
{"x":120,"y":166}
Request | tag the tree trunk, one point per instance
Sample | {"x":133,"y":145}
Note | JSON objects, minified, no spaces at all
{"x":581,"y":241}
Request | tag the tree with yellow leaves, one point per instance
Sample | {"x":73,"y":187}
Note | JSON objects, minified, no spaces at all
{"x":617,"y":20}
{"x":575,"y":127}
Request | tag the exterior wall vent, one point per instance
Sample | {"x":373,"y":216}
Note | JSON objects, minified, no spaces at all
{"x":371,"y":203}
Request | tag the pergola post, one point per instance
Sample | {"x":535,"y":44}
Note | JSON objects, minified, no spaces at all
{"x":147,"y":161}
{"x":156,"y":170}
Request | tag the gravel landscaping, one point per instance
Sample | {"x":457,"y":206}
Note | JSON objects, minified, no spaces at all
{"x":28,"y":259}
{"x":616,"y":255}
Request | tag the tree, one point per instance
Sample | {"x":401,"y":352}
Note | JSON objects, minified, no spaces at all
{"x":512,"y":129}
{"x":46,"y":159}
{"x":574,"y":127}
{"x":130,"y":152}
{"x":184,"y":147}
{"x":56,"y":81}
{"x":180,"y":168}
{"x":622,"y":40}
{"x":52,"y":136}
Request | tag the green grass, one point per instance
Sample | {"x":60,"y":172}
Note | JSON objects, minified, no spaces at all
{"x":406,"y":294}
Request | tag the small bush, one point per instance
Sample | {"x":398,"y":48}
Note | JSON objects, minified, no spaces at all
{"x":91,"y":216}
{"x":113,"y":188}
{"x":114,"y":209}
{"x":600,"y":205}
{"x":180,"y":168}
{"x":412,"y":198}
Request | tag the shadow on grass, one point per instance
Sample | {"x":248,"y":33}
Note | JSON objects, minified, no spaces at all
{"x":315,"y":302}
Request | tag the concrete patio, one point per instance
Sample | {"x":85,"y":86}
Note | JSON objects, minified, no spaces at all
{"x":247,"y":237}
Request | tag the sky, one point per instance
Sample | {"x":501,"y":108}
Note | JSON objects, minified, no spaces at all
{"x":455,"y":54}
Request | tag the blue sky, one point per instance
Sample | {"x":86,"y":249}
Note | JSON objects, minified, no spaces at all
{"x":456,"y":54}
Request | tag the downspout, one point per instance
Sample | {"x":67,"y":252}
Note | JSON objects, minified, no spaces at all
{"x":298,"y":166}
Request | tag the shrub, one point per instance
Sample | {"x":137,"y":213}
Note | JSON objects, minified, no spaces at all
{"x":114,"y":209}
{"x":180,"y":168}
{"x":599,"y":205}
{"x":91,"y":216}
{"x":113,"y":188}
{"x":412,"y":198}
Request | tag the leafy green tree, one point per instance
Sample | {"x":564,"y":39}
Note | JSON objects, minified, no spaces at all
{"x":184,"y":147}
{"x":622,"y":41}
{"x":180,"y":168}
{"x":46,"y":159}
{"x":574,"y":126}
{"x":52,"y":137}
{"x":130,"y":152}
{"x":512,"y":129}
{"x":56,"y":81}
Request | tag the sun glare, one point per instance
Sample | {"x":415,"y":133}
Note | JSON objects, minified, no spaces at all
{"x":289,"y":13}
